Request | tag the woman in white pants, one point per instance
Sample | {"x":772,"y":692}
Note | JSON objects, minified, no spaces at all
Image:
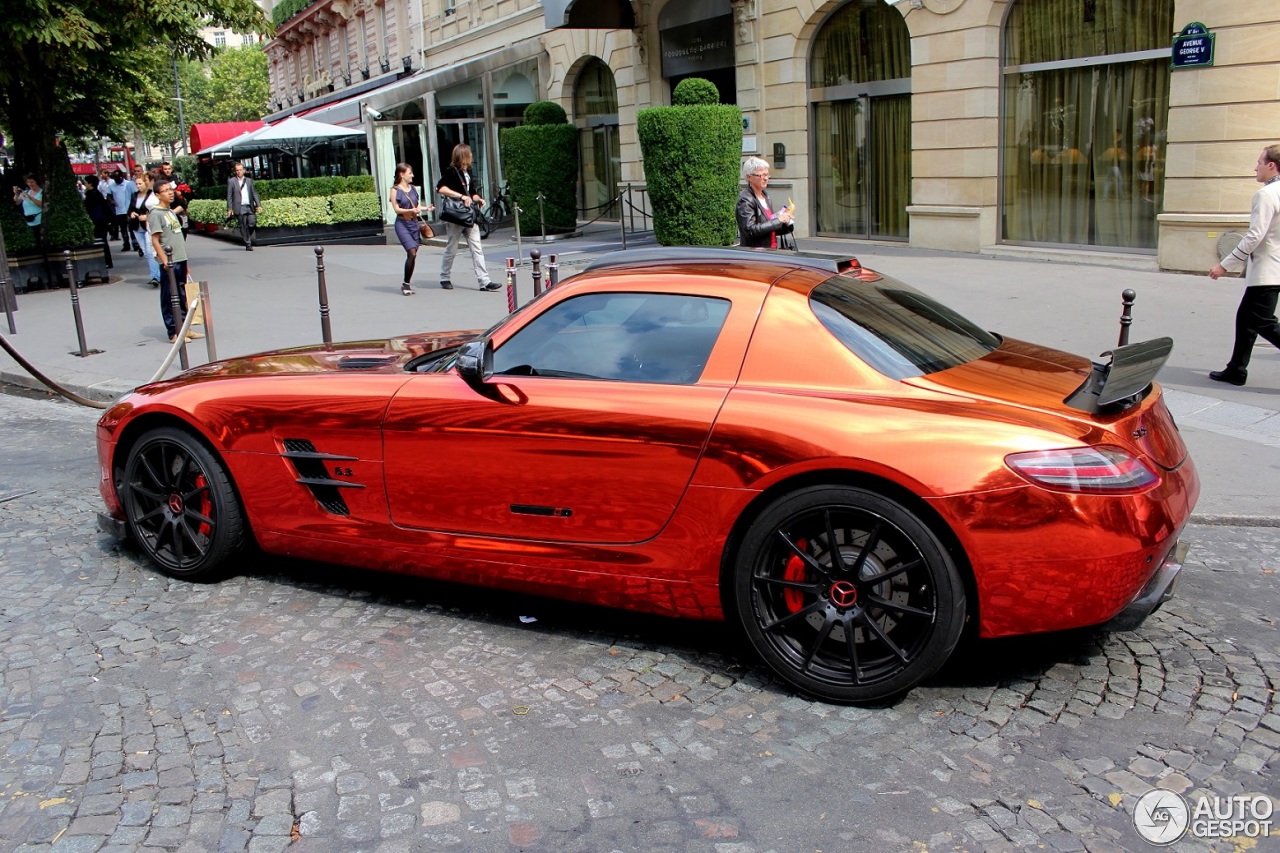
{"x":459,"y":182}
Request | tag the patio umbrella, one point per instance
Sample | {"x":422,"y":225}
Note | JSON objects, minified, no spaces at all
{"x":294,"y":135}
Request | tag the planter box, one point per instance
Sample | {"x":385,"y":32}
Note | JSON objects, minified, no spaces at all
{"x":369,"y":233}
{"x":32,"y":270}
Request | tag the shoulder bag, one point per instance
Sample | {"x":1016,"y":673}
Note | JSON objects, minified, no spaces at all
{"x":453,"y":210}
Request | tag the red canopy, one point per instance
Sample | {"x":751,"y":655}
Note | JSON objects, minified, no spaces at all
{"x":204,"y":135}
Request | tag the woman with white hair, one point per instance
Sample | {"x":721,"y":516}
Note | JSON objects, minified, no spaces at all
{"x":759,"y":224}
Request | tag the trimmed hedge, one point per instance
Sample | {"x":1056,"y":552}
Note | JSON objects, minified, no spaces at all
{"x":299,"y":187}
{"x":297,"y":210}
{"x":542,"y":156}
{"x":691,"y":161}
{"x":695,"y":91}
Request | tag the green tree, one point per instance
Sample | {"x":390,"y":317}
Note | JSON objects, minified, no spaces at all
{"x":238,"y":84}
{"x":84,"y":68}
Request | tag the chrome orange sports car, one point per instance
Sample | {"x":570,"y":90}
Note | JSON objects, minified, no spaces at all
{"x":843,"y":466}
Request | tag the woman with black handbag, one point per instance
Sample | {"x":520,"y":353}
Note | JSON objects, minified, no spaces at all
{"x":458,"y":187}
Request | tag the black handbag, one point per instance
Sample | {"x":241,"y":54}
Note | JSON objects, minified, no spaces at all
{"x":453,"y":210}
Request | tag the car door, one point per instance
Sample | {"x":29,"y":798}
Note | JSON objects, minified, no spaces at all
{"x":602,"y":418}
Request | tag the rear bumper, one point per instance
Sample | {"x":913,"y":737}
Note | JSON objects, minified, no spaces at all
{"x":1157,"y":591}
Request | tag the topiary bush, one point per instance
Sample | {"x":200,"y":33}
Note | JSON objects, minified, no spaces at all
{"x":356,"y":207}
{"x":545,"y":112}
{"x":17,"y":234}
{"x":691,"y":159}
{"x":541,"y":156}
{"x":294,"y":210}
{"x":66,"y":223}
{"x":694,"y":92}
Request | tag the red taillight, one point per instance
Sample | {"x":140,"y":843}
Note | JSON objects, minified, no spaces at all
{"x":1105,"y":470}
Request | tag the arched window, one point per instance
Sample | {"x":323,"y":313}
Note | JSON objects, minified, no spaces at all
{"x":860,"y":89}
{"x":1086,"y":102}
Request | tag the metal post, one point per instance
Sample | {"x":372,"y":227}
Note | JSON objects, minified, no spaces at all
{"x":7,"y":290}
{"x":622,"y":219}
{"x":182,"y":122}
{"x":207,"y":308}
{"x":325,"y":330}
{"x":1126,"y":315}
{"x":511,"y":285}
{"x":553,"y":272}
{"x":75,"y":304}
{"x":515,"y":211}
{"x":536,"y":257}
{"x":542,"y":219}
{"x":175,"y":307}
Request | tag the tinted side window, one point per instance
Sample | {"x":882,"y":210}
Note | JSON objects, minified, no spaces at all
{"x":895,"y":328}
{"x":634,"y":337}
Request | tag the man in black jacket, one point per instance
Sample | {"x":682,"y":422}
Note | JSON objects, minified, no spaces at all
{"x":243,"y":203}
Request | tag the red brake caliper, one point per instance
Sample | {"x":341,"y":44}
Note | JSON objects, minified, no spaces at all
{"x":206,"y":505}
{"x":795,"y":571}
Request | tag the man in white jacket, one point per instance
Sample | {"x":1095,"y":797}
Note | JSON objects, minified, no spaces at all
{"x":1260,"y":248}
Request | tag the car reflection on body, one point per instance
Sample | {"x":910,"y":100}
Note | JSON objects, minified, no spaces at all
{"x":826,"y":456}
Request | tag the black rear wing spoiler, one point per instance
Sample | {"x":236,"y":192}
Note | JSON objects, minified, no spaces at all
{"x":1123,"y":380}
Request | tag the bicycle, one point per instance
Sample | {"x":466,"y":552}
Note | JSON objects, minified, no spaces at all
{"x":497,"y":211}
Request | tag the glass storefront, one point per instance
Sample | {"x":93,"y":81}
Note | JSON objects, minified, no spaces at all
{"x":595,"y":110}
{"x":1086,"y":102}
{"x":860,"y":85}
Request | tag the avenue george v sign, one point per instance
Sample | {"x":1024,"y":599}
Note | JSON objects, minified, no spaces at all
{"x":1193,"y":47}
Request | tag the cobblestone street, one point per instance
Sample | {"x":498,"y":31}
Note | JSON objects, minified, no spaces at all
{"x":314,"y":708}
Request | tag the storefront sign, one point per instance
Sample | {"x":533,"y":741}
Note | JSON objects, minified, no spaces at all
{"x":1193,"y":47}
{"x":698,"y":47}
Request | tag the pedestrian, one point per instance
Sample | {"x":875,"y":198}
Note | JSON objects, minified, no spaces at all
{"x":99,"y":210}
{"x":122,"y":193}
{"x":166,"y":233}
{"x":459,"y":182}
{"x":408,"y":207}
{"x":104,"y":188}
{"x":31,"y":200}
{"x":143,"y":201}
{"x":180,"y":190}
{"x":759,"y":225}
{"x":243,"y":203}
{"x":1260,"y":249}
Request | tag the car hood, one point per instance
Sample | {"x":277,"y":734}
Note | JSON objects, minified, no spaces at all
{"x":1032,"y":377}
{"x":377,"y":356}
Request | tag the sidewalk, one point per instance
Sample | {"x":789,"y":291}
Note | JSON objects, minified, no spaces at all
{"x":268,"y":299}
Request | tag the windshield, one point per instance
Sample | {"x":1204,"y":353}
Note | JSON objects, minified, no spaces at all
{"x":895,"y":328}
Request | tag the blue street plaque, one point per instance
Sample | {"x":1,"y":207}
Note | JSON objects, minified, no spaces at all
{"x":1193,"y":47}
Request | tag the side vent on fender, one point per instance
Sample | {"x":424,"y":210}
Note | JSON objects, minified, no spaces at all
{"x":352,"y":362}
{"x":313,"y":472}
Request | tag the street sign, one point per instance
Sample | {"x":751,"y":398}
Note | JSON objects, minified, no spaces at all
{"x":1193,"y":47}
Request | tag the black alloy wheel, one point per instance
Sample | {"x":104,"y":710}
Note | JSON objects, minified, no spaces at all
{"x":847,"y":595}
{"x":179,"y":503}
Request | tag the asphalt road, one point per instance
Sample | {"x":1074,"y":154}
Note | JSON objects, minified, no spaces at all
{"x":316,"y":708}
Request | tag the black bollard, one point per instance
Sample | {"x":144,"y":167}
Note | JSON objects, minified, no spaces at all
{"x":325,"y":331}
{"x":553,"y":272}
{"x":175,"y":307}
{"x":75,"y":304}
{"x":1126,"y":315}
{"x":536,"y":257}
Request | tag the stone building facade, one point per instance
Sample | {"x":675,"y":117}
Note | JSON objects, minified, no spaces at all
{"x":967,"y":125}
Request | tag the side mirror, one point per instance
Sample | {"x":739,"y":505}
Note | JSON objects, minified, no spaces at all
{"x":475,"y":365}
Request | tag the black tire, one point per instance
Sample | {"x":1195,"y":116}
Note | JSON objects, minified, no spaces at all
{"x":886,"y":618}
{"x":180,"y":505}
{"x":483,"y":222}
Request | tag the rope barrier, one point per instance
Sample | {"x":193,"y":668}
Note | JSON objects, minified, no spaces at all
{"x":53,"y":386}
{"x":178,"y":341}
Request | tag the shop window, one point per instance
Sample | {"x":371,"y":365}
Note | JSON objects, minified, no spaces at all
{"x":1086,"y":102}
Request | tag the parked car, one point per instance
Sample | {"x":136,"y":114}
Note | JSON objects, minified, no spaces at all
{"x":822,"y":454}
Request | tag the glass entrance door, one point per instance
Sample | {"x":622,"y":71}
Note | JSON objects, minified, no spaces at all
{"x":863,"y":166}
{"x":601,"y":158}
{"x":452,"y":132}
